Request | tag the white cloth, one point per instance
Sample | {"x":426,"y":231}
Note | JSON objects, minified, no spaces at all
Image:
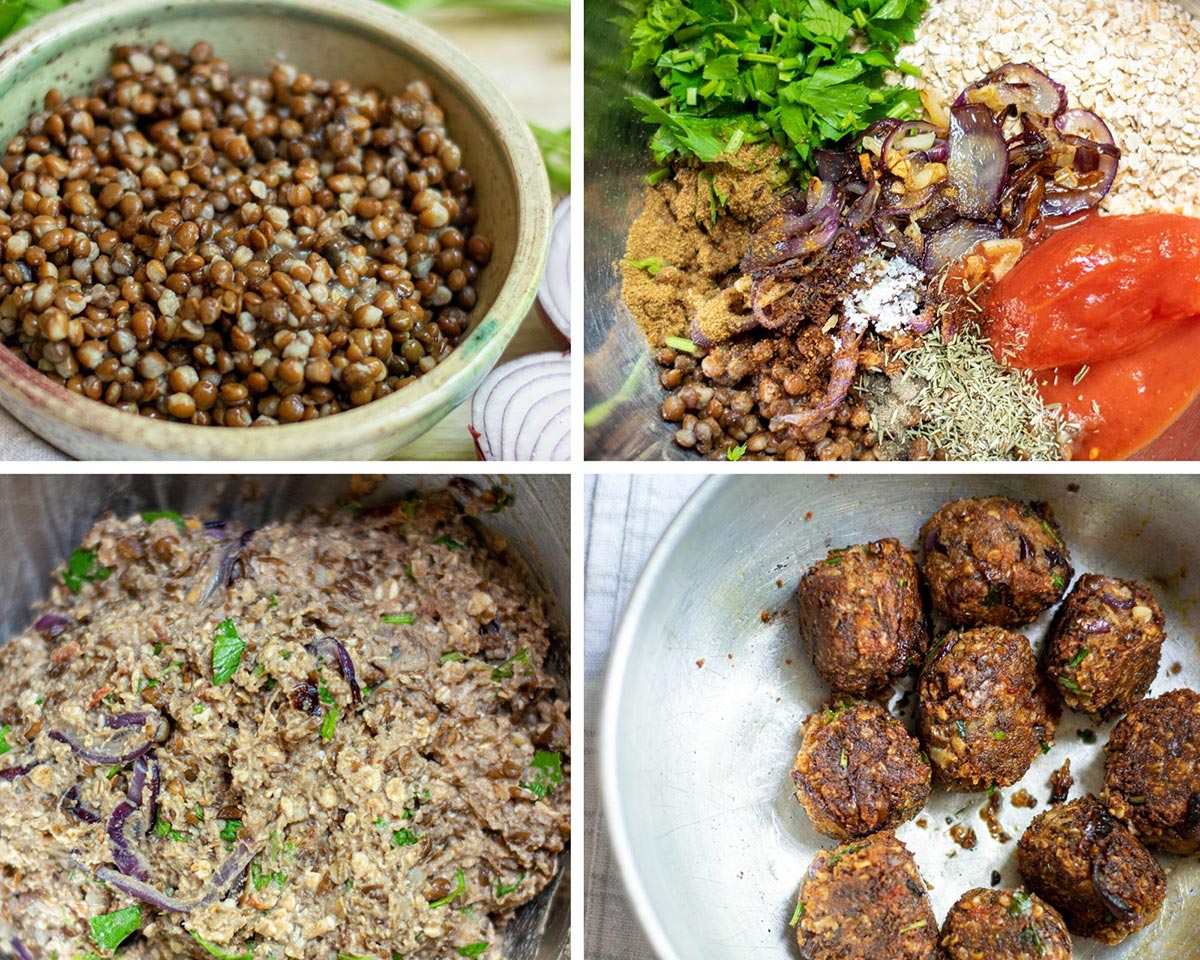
{"x":17,"y":442}
{"x":624,"y":518}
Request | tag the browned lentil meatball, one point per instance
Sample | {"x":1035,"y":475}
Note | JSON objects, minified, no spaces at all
{"x":861,"y":616}
{"x":994,"y":561}
{"x":1080,"y":859}
{"x":983,"y":711}
{"x":1102,"y":650}
{"x":1003,"y":925}
{"x":1152,"y":771}
{"x":865,"y":900}
{"x":858,"y":770}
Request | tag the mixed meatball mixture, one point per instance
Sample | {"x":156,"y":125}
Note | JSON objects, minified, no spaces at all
{"x":994,"y":561}
{"x":1103,"y":647}
{"x":859,"y":770}
{"x":1003,"y":925}
{"x":865,"y":898}
{"x":983,"y":710}
{"x":333,"y":737}
{"x":1152,"y":771}
{"x":1081,"y":860}
{"x":862,"y":618}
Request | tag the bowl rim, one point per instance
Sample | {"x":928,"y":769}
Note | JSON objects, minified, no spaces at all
{"x":624,"y":637}
{"x":22,"y":385}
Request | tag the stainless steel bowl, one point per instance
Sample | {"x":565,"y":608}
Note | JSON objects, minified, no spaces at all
{"x":43,"y":517}
{"x":703,"y":700}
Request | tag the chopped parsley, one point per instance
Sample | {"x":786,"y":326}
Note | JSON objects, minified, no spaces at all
{"x":229,"y":832}
{"x":112,"y":771}
{"x":681,"y":344}
{"x":547,"y":773}
{"x":994,"y":597}
{"x":218,"y":952}
{"x":504,"y":671}
{"x":324,"y":695}
{"x":4,"y":732}
{"x":1058,"y":581}
{"x":1049,"y":528}
{"x":329,"y":723}
{"x":797,"y":913}
{"x":460,"y":887}
{"x":228,"y":648}
{"x":734,"y":454}
{"x":473,"y":949}
{"x":833,"y":559}
{"x":272,"y":601}
{"x":998,"y":735}
{"x":109,"y":930}
{"x":151,"y":515}
{"x":451,"y":543}
{"x":197,"y":708}
{"x":1021,"y":904}
{"x":163,"y":828}
{"x":403,"y":838}
{"x":1044,"y":745}
{"x":261,"y":879}
{"x":81,"y":566}
{"x":843,"y":760}
{"x":1078,"y":658}
{"x":1072,"y":687}
{"x":453,"y":656}
{"x":405,"y":619}
{"x":504,"y":889}
{"x":1029,"y":935}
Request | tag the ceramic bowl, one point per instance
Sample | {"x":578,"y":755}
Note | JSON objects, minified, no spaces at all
{"x":364,"y":42}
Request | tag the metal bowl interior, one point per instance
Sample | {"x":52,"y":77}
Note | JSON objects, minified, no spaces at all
{"x":704,"y":700}
{"x":43,"y":517}
{"x":358,"y":40}
{"x":619,"y":371}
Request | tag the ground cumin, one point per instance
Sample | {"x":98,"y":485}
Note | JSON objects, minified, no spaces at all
{"x":688,"y":240}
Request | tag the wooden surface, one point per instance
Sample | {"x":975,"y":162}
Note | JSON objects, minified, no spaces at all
{"x":529,"y":57}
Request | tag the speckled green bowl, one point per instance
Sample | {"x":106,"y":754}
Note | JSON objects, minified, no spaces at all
{"x":358,"y":40}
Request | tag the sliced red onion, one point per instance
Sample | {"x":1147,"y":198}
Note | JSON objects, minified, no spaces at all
{"x":789,"y":236}
{"x":1019,"y":85}
{"x":554,"y":295}
{"x":101,"y":756}
{"x":14,"y":773}
{"x":50,"y":625}
{"x":329,"y":644}
{"x":155,"y":777}
{"x":955,"y":241}
{"x":841,"y":378}
{"x":861,"y":211}
{"x":834,"y":166}
{"x":20,"y":951}
{"x":977,"y":167}
{"x":908,"y":138}
{"x":84,"y":812}
{"x":522,"y":410}
{"x":122,"y":720}
{"x":231,"y":869}
{"x":1117,"y":603}
{"x":128,"y":861}
{"x":1095,"y":158}
{"x":907,"y":202}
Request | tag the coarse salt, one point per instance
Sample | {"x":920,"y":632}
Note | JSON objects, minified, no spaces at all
{"x":889,"y":298}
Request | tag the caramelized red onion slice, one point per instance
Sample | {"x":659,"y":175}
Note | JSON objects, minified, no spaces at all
{"x":861,"y":211}
{"x":20,"y":951}
{"x":791,"y":236}
{"x":954,"y":241}
{"x":15,"y":773}
{"x":233,"y":867}
{"x":327,"y":645}
{"x":841,"y":378}
{"x":908,"y":138}
{"x":120,"y":721}
{"x":977,"y":167}
{"x":102,"y":756}
{"x":128,"y":861}
{"x":1094,"y":159}
{"x":1019,"y":85}
{"x":50,"y":625}
{"x":75,"y":806}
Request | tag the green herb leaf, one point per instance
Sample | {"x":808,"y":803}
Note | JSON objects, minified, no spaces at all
{"x":110,"y":929}
{"x":505,"y":670}
{"x":272,"y":602}
{"x":547,"y":773}
{"x":844,"y":759}
{"x":1049,"y":528}
{"x":797,"y":913}
{"x":460,"y":887}
{"x":228,"y":648}
{"x":451,"y":543}
{"x":1058,"y":582}
{"x":652,"y":265}
{"x":1044,"y":745}
{"x":329,"y":723}
{"x":81,"y":567}
{"x":504,"y":889}
{"x":1029,"y":935}
{"x":404,"y":838}
{"x":229,"y":832}
{"x":680,"y":344}
{"x":261,"y":879}
{"x":453,"y":656}
{"x":473,"y":949}
{"x":151,"y":515}
{"x":998,"y":735}
{"x":218,"y":952}
{"x":734,"y":454}
{"x":403,"y":619}
{"x":1078,"y":658}
{"x":10,"y":13}
{"x":4,"y":745}
{"x":324,"y":695}
{"x":163,"y":828}
{"x":1072,"y":687}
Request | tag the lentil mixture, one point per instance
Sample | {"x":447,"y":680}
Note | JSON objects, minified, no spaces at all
{"x":398,"y":792}
{"x":194,"y":245}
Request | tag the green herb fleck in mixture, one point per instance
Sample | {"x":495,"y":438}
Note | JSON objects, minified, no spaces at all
{"x":547,"y":773}
{"x":460,"y":887}
{"x":109,"y":930}
{"x":82,"y":566}
{"x":151,"y":515}
{"x":402,"y":619}
{"x":228,"y":648}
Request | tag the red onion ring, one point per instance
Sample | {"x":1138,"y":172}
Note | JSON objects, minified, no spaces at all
{"x":955,"y":241}
{"x":554,"y":294}
{"x":234,"y":866}
{"x":522,"y":410}
{"x":128,"y":861}
{"x":977,"y":167}
{"x":101,"y":757}
{"x":14,"y":773}
{"x":326,"y":644}
{"x":122,"y":720}
{"x":841,"y":378}
{"x":50,"y":625}
{"x":1019,"y":85}
{"x":81,"y":811}
{"x":20,"y":951}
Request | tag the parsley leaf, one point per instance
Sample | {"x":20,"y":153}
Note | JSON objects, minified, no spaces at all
{"x":228,"y":648}
{"x":734,"y":454}
{"x":504,"y":889}
{"x":229,"y":832}
{"x":4,"y":745}
{"x":1078,"y":658}
{"x":218,"y":952}
{"x":404,"y":619}
{"x":110,"y":929}
{"x":163,"y":828}
{"x":473,"y":949}
{"x":651,"y":265}
{"x":505,"y":670}
{"x":151,"y":515}
{"x":81,"y":566}
{"x":451,"y":543}
{"x":460,"y":887}
{"x":403,"y":838}
{"x":1072,"y":687}
{"x":547,"y":773}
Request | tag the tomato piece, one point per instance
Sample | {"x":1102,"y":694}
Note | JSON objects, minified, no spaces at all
{"x":1100,"y":289}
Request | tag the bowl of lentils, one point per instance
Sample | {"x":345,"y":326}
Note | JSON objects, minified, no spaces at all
{"x":316,"y":218}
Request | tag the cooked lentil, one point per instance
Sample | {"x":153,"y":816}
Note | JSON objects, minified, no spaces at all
{"x":411,"y":822}
{"x":195,"y":245}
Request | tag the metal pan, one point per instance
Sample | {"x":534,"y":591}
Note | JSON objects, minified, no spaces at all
{"x":704,"y":699}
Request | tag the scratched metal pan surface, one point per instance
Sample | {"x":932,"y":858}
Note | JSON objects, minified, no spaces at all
{"x":704,"y":701}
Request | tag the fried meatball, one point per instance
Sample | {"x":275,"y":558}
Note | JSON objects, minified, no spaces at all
{"x":994,"y":561}
{"x":983,"y":711}
{"x":858,"y":770}
{"x":865,"y":900}
{"x":1102,"y":649}
{"x":1152,"y":771}
{"x":1003,"y":925}
{"x":1077,"y":857}
{"x":861,"y":616}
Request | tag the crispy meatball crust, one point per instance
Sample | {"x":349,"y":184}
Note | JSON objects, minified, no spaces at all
{"x":1080,"y":859}
{"x":994,"y":561}
{"x":858,"y":770}
{"x":1152,"y":771}
{"x":983,"y":711}
{"x":1003,"y":925}
{"x":861,"y":616}
{"x":1102,"y":650}
{"x":865,"y":900}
